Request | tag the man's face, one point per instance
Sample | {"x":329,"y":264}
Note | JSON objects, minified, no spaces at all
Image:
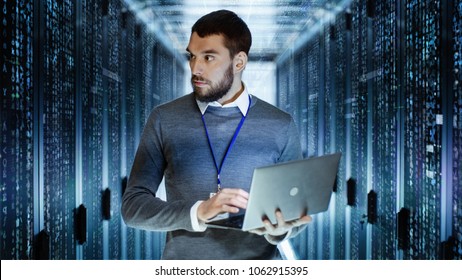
{"x":211,"y":67}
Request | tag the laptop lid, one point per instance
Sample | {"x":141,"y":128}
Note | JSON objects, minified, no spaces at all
{"x":296,"y":188}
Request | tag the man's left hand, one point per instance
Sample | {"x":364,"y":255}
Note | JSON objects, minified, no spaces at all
{"x":282,"y":227}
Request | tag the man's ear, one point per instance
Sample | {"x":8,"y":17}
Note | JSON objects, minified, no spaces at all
{"x":240,"y":61}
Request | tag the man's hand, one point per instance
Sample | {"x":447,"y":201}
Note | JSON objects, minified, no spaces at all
{"x":282,"y":227}
{"x":225,"y":201}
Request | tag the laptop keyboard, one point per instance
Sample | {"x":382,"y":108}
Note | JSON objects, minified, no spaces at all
{"x":236,"y":221}
{"x":231,"y":222}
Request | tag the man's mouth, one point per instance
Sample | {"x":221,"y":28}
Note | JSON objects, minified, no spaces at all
{"x":199,"y":83}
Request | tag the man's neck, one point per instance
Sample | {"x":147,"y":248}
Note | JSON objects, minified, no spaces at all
{"x":234,"y":97}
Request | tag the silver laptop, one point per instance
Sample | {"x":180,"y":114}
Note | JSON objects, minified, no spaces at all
{"x":296,"y":188}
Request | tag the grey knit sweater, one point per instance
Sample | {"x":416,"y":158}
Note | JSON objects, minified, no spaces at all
{"x":174,"y":144}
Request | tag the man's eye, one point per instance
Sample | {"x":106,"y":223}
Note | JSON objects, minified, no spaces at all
{"x":209,"y":57}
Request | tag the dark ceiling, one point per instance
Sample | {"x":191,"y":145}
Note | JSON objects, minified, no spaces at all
{"x":276,"y":25}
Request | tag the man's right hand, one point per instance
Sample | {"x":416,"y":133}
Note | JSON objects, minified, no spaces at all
{"x":225,"y":201}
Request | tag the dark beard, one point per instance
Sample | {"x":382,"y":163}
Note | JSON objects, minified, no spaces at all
{"x":216,"y":92}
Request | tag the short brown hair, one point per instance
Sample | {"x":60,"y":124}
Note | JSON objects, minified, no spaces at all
{"x":235,"y":31}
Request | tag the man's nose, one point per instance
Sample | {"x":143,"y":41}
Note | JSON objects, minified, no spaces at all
{"x":197,"y":67}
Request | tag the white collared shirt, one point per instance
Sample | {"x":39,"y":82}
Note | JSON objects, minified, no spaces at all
{"x":242,"y":102}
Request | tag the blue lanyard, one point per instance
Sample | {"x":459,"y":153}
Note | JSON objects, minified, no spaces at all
{"x":218,"y":168}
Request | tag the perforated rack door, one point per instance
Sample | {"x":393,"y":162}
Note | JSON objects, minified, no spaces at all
{"x":17,"y":116}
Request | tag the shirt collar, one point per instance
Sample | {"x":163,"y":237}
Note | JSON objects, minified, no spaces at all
{"x":242,"y":102}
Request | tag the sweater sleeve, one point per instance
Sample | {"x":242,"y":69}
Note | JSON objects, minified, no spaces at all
{"x":140,"y":206}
